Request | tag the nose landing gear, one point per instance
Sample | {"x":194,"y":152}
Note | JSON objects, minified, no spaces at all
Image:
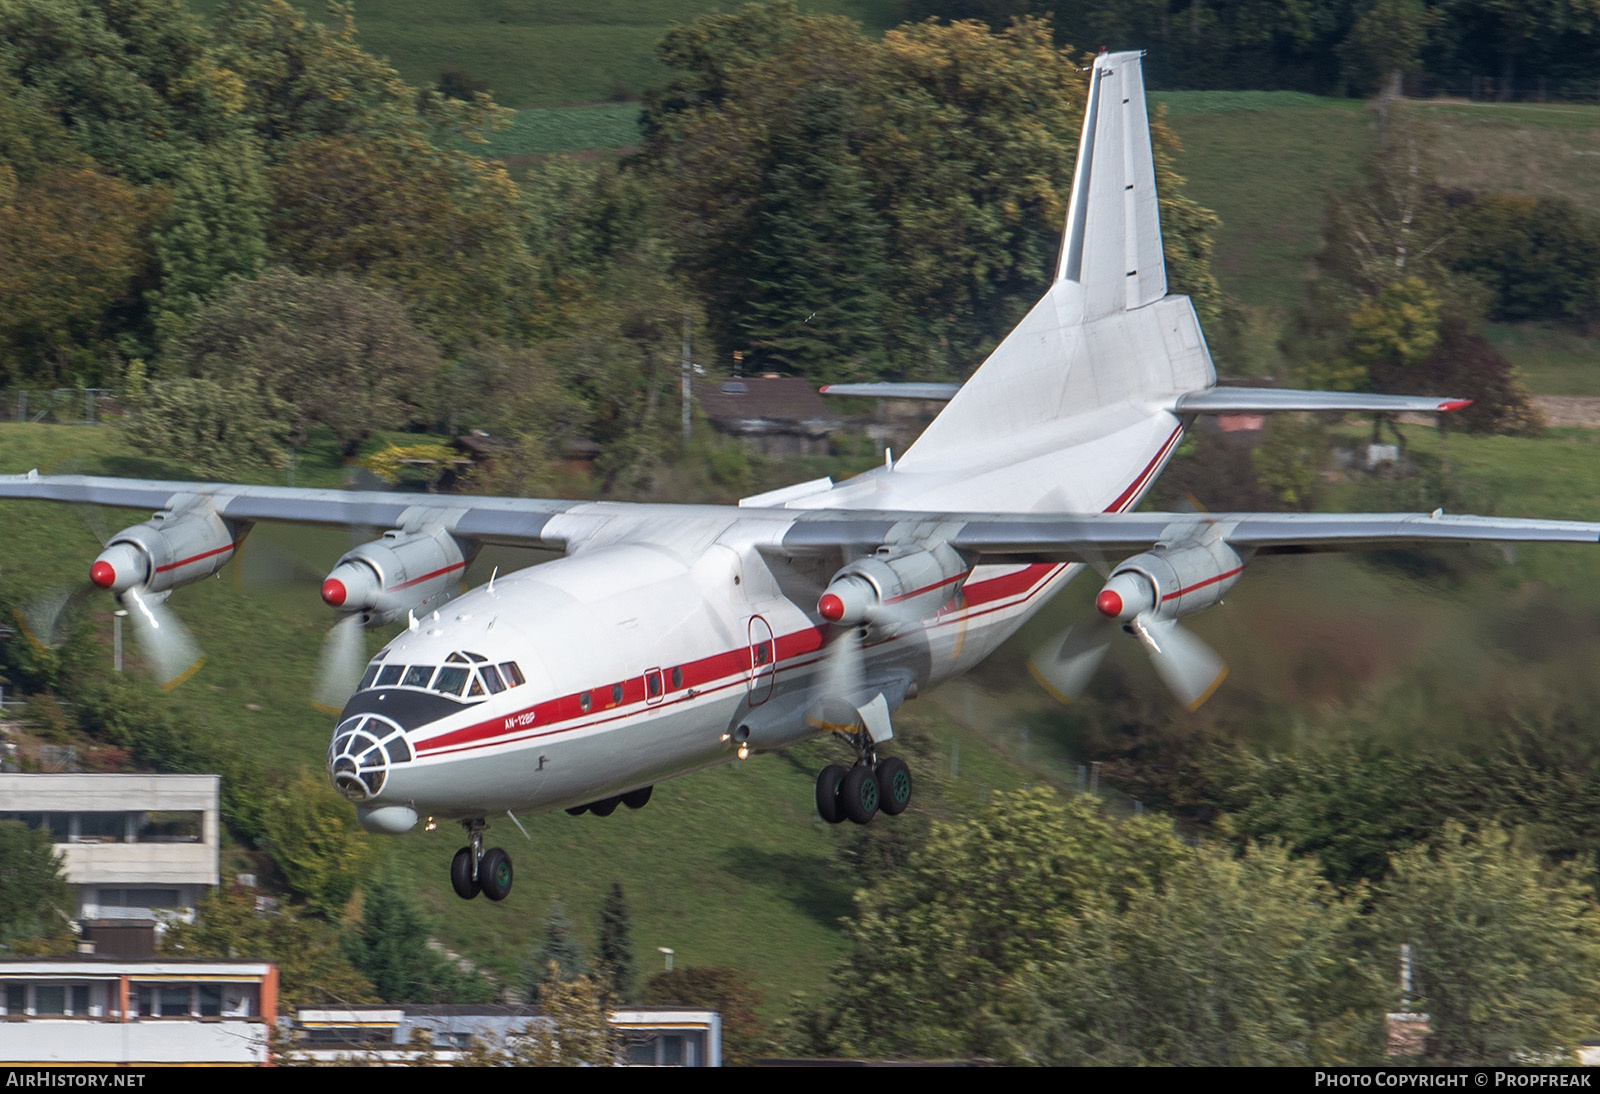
{"x":474,"y":870}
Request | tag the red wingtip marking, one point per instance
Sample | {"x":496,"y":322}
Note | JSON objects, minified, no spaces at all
{"x":831,"y":607}
{"x":333,"y":592}
{"x":1108,"y":603}
{"x":1454,"y":404}
{"x":102,"y":574}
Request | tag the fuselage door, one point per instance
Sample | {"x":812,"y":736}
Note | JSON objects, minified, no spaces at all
{"x":652,"y":687}
{"x":763,"y":653}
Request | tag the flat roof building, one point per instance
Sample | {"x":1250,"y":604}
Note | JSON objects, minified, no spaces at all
{"x":88,"y":1010}
{"x":132,"y":846}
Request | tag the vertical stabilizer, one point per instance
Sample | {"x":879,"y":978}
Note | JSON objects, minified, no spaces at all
{"x":1106,"y":346}
{"x":1112,"y":243}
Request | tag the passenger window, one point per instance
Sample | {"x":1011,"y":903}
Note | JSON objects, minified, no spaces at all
{"x":491,"y":679}
{"x":616,"y":694}
{"x":652,"y":685}
{"x":513,"y":675}
{"x":417,"y":676}
{"x":584,"y":702}
{"x":451,"y":679}
{"x":390,"y":675}
{"x":677,"y":678}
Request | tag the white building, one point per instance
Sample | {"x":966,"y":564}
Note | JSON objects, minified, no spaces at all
{"x":133,"y":846}
{"x":649,"y":1036}
{"x":85,"y":1010}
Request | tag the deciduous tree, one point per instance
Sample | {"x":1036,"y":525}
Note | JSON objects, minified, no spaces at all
{"x":1505,"y":949}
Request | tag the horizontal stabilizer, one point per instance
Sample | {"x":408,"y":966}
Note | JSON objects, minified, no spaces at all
{"x":940,"y":392}
{"x":1270,"y":400}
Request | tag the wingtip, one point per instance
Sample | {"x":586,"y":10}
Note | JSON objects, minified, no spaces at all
{"x":1449,"y":406}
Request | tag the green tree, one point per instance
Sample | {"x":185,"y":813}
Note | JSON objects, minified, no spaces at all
{"x":965,"y":141}
{"x":312,"y":967}
{"x":614,"y":966}
{"x":1505,"y":949}
{"x":815,"y":270}
{"x":558,"y":953}
{"x":312,"y":837}
{"x":1231,"y":961}
{"x":325,"y":349}
{"x":986,"y":899}
{"x":138,"y":89}
{"x":1044,"y":931}
{"x":34,"y":896}
{"x":222,"y":428}
{"x":390,"y":947}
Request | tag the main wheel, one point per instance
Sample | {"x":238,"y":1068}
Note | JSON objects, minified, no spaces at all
{"x":494,"y":874}
{"x":605,"y":806}
{"x":828,"y":807}
{"x":638,"y":799}
{"x":894,"y":785}
{"x":577,"y":810}
{"x":858,"y":794}
{"x":461,"y":875}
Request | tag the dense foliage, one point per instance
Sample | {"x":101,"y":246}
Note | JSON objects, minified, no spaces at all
{"x":1330,"y":47}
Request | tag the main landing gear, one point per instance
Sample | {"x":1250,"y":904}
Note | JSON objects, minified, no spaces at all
{"x":475,"y":870}
{"x":872,"y":786}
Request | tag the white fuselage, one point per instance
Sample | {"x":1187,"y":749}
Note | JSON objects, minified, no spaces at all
{"x":668,"y":636}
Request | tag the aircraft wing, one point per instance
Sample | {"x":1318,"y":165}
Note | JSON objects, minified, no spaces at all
{"x":520,"y":522}
{"x":1086,"y":537}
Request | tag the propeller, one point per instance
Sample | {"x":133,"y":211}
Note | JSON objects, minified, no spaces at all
{"x":169,"y":649}
{"x":1128,"y":602}
{"x":339,"y":668}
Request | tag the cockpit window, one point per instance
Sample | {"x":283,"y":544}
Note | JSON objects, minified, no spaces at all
{"x":417,"y":676}
{"x":491,"y":679}
{"x":512,"y":674}
{"x":450,"y":680}
{"x":390,"y":675}
{"x":369,"y":676}
{"x":456,"y":659}
{"x":475,"y":689}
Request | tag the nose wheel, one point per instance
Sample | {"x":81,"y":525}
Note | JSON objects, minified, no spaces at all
{"x":474,"y":870}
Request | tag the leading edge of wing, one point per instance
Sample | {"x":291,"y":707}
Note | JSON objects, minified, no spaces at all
{"x":511,"y":521}
{"x":1084,"y":537}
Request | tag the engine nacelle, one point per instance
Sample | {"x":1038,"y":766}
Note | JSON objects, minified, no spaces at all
{"x":175,"y":547}
{"x":1170,"y":580}
{"x":891,"y":586}
{"x":403,"y":571}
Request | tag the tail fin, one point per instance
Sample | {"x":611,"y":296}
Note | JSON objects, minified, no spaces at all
{"x":1106,"y":335}
{"x":1112,"y":245}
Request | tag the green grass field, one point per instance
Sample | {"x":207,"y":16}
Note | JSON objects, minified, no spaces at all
{"x":1550,"y":360}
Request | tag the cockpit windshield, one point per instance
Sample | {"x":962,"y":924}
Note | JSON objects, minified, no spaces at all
{"x":464,"y":676}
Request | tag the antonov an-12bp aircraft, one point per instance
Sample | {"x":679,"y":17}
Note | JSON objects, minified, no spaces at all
{"x":666,"y":638}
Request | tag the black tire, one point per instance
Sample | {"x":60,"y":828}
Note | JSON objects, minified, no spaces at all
{"x":858,"y":794}
{"x":638,"y":799}
{"x":461,"y":875}
{"x":828,"y":807}
{"x":494,"y":874}
{"x":605,"y":806}
{"x":894,"y":786}
{"x":577,"y":810}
